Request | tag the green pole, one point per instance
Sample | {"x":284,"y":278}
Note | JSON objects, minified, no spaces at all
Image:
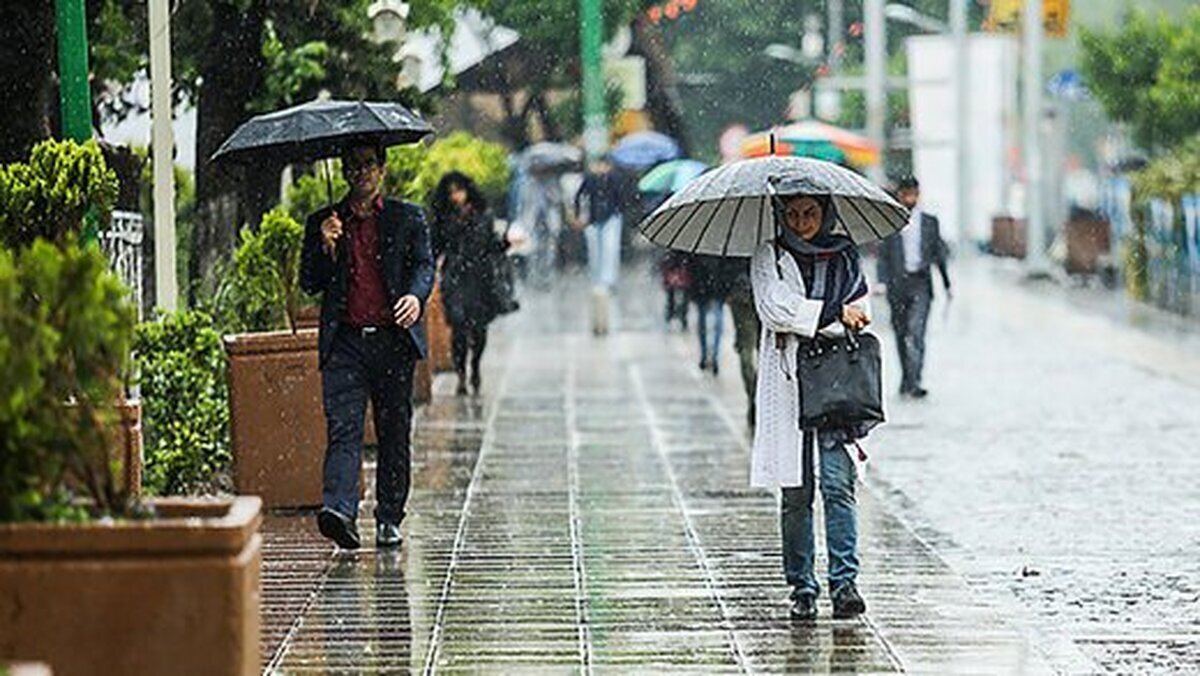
{"x":75,"y":98}
{"x":595,"y":128}
{"x":74,"y":95}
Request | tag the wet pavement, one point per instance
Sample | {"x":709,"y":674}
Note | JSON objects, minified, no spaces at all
{"x":590,"y":512}
{"x":1056,"y":466}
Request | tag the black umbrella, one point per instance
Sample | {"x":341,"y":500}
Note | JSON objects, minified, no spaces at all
{"x":728,"y":211}
{"x":548,"y":157}
{"x":319,"y":130}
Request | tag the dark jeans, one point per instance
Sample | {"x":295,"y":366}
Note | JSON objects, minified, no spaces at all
{"x":468,"y":340}
{"x":746,"y":330}
{"x":377,"y":364}
{"x":910,"y":297}
{"x":841,"y":532}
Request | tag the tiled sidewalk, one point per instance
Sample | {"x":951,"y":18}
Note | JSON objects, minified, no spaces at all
{"x":591,"y":513}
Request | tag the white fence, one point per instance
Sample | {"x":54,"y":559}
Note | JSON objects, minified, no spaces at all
{"x":122,"y":243}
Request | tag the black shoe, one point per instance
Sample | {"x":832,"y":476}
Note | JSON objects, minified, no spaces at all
{"x":847,"y":603}
{"x":339,"y":528}
{"x":388,"y":535}
{"x":476,"y":381}
{"x":804,"y":607}
{"x":918,"y":393}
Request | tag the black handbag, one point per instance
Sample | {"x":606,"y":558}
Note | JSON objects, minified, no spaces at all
{"x":503,"y":287}
{"x":840,"y":382}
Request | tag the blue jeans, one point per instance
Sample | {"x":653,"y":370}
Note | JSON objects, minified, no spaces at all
{"x":378,"y":365}
{"x":604,"y":252}
{"x":841,"y":533}
{"x":710,"y":323}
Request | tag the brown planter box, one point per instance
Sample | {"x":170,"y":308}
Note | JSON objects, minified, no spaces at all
{"x":437,"y":331}
{"x":1008,"y":237}
{"x":178,"y":594}
{"x":1087,"y":242}
{"x":276,"y":419}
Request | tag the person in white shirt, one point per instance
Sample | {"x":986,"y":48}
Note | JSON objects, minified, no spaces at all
{"x":905,"y":261}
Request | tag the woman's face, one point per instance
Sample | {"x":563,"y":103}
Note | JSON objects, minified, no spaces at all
{"x":803,"y":216}
{"x":458,"y":195}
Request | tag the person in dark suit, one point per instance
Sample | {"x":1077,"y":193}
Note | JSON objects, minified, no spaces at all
{"x":369,"y":257}
{"x":905,"y":260}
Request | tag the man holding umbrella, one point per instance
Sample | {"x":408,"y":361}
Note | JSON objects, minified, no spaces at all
{"x":370,"y":259}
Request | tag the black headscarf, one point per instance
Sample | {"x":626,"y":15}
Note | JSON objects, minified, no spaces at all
{"x":844,"y":281}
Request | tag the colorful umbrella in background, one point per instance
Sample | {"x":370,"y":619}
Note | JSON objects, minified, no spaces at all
{"x":644,"y":149}
{"x":670,"y":177}
{"x":811,"y":138}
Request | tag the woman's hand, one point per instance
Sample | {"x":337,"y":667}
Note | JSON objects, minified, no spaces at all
{"x":854,"y":318}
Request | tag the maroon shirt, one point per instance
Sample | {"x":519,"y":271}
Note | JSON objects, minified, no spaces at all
{"x":367,"y":299}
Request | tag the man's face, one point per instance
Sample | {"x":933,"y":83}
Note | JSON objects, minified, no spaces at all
{"x":363,"y":170}
{"x":908,"y":197}
{"x":803,"y":216}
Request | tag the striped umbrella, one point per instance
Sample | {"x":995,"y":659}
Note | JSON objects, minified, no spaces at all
{"x":811,"y":138}
{"x":728,"y":211}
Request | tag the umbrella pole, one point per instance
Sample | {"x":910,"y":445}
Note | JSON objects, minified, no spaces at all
{"x":329,"y":181}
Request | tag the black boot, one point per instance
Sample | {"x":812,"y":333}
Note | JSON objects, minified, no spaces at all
{"x":847,"y":603}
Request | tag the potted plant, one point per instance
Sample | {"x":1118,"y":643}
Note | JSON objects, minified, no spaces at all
{"x":93,"y":580}
{"x":277,"y":429}
{"x":63,"y":189}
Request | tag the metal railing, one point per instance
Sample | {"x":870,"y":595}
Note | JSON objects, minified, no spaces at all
{"x":122,"y":243}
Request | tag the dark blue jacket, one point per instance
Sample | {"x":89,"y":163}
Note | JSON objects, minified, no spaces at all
{"x":408,"y":267}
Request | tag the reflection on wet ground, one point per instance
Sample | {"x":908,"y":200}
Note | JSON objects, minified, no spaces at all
{"x":591,"y":513}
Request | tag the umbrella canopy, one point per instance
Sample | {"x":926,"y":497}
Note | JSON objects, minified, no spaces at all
{"x":811,"y":138}
{"x":670,"y":177}
{"x":546,"y":157}
{"x":321,"y":129}
{"x":644,"y":149}
{"x":728,"y":211}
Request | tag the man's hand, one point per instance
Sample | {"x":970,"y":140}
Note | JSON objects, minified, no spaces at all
{"x":407,"y":311}
{"x":854,"y":318}
{"x":331,"y":230}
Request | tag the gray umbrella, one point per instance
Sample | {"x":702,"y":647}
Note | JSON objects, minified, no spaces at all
{"x":547,"y":157}
{"x":728,"y":211}
{"x":321,"y":129}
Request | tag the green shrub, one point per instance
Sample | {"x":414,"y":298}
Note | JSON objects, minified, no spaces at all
{"x":65,"y":331}
{"x":50,"y":196}
{"x":262,"y":291}
{"x":414,"y":171}
{"x":185,"y":410}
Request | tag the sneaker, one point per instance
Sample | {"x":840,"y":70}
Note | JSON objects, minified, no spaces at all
{"x":804,"y":607}
{"x":339,"y":528}
{"x":847,"y":603}
{"x":387,"y":535}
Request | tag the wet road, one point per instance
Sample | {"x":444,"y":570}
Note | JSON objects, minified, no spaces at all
{"x":591,"y":513}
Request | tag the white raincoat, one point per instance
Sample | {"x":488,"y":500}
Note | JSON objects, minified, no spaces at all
{"x":783,"y":308}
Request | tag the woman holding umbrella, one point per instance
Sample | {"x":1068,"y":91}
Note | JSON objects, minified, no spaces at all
{"x":800,"y":220}
{"x":808,"y":281}
{"x":465,"y":241}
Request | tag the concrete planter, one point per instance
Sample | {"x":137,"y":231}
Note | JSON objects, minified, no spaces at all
{"x":276,"y":419}
{"x":1008,"y":237}
{"x":178,"y":594}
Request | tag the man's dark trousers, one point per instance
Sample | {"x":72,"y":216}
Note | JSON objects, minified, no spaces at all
{"x":379,"y":363}
{"x":910,"y":295}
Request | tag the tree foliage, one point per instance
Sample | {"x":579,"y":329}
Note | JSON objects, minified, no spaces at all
{"x":1147,"y":74}
{"x":49,"y":195}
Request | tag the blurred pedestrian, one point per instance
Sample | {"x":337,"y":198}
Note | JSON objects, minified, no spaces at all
{"x":905,"y":260}
{"x":746,"y":331}
{"x":598,"y":212}
{"x":466,"y":243}
{"x":369,"y":257}
{"x":808,"y":280}
{"x":676,"y":281}
{"x":711,"y":280}
{"x":541,"y":212}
